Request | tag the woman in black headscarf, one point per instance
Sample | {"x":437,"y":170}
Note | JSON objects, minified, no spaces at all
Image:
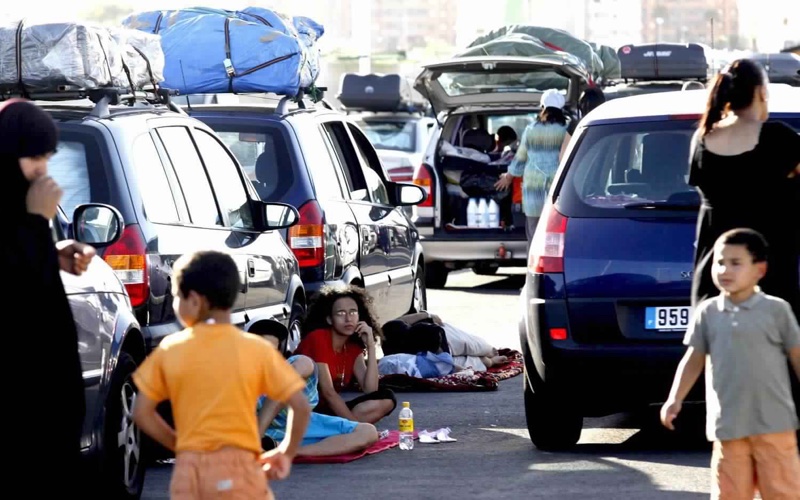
{"x":45,"y":410}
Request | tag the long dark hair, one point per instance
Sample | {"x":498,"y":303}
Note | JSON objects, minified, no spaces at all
{"x":322,"y":307}
{"x":732,"y":89}
{"x":552,"y":114}
{"x":591,"y":98}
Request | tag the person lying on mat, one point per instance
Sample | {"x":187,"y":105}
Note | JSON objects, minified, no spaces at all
{"x":340,"y":328}
{"x":325,"y":435}
{"x":468,"y":350}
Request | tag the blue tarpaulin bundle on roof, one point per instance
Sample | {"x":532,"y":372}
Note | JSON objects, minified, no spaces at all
{"x":216,"y":51}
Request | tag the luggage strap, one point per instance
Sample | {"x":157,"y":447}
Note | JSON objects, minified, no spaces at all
{"x":228,"y":62}
{"x":18,"y":55}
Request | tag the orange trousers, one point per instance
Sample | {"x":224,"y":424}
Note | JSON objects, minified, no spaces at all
{"x":228,"y":473}
{"x":768,"y":463}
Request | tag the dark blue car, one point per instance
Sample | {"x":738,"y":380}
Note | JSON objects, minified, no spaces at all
{"x":607,"y":293}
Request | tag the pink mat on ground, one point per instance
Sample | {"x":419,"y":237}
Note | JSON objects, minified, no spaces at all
{"x":384,"y":444}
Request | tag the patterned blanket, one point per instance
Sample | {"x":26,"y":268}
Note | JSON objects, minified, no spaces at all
{"x":459,"y":382}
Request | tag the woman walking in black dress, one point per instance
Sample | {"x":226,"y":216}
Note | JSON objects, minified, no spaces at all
{"x":747,"y":171}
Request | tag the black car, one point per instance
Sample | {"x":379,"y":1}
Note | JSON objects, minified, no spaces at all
{"x":352,"y":229}
{"x":179,"y":189}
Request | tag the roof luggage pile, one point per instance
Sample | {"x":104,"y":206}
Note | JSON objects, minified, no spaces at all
{"x":211,"y":51}
{"x":62,"y":57}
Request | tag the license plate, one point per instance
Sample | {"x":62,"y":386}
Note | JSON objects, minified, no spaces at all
{"x":667,"y":318}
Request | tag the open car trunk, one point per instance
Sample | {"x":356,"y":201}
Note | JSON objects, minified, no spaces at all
{"x":476,"y":96}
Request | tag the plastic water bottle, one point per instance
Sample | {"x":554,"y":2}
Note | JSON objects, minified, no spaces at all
{"x":494,"y":214}
{"x":406,"y":427}
{"x":472,"y":213}
{"x":483,"y":213}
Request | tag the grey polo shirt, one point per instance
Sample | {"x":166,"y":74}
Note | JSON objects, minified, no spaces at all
{"x":747,"y":376}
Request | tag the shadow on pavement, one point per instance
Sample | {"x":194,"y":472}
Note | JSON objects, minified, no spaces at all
{"x":500,"y":285}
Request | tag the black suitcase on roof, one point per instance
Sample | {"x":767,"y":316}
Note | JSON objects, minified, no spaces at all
{"x":663,"y":61}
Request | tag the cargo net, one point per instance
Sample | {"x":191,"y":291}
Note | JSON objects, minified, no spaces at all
{"x":65,"y":61}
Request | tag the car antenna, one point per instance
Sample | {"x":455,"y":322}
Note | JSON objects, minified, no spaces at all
{"x":188,"y":104}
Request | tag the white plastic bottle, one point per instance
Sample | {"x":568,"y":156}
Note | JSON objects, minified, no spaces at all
{"x":472,"y":213}
{"x":406,"y":427}
{"x":494,"y":214}
{"x":483,"y":213}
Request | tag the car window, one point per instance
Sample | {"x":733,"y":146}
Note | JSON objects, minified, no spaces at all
{"x":324,"y":166}
{"x":70,"y":169}
{"x":348,"y":158}
{"x":394,"y":135}
{"x":157,"y":195}
{"x":227,"y":180}
{"x":191,"y":175}
{"x":264,"y":156}
{"x":375,"y":184}
{"x":618,"y":165}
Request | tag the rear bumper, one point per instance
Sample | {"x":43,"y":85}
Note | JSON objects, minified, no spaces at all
{"x":599,"y":379}
{"x":463,"y":251}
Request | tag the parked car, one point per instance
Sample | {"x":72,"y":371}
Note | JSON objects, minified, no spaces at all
{"x":473,"y":97}
{"x":395,"y":117}
{"x":179,"y":189}
{"x":782,"y":67}
{"x":352,"y":228}
{"x":111,"y":346}
{"x":606,"y":300}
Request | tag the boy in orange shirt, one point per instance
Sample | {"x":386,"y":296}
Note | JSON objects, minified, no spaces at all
{"x":213,"y":374}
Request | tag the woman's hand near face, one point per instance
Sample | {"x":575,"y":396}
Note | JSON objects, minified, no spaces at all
{"x":365,"y":331}
{"x":44,"y":195}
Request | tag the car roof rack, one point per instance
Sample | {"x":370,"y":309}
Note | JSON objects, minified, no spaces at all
{"x":314,"y":93}
{"x":102,"y":97}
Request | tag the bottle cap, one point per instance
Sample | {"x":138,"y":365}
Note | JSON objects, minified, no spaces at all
{"x":406,"y":404}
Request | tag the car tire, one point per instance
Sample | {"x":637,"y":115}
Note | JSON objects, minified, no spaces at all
{"x":295,"y":325}
{"x":123,"y":464}
{"x":419,"y":299}
{"x":552,"y":425}
{"x":436,"y":275}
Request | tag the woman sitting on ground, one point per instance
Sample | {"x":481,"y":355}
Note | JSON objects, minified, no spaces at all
{"x":325,"y":435}
{"x":341,"y":327}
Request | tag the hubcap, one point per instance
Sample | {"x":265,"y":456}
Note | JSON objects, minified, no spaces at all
{"x":294,"y":336}
{"x":129,"y":436}
{"x":419,"y":301}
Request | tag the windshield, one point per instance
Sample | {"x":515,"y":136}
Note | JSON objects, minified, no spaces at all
{"x":457,"y":84}
{"x":391,"y":134}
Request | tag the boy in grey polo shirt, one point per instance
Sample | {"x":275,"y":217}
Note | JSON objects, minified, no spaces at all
{"x":743,"y":338}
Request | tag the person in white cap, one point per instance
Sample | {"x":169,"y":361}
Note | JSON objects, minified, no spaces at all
{"x":537,"y":158}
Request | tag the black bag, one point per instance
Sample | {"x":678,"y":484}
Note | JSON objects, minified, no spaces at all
{"x":404,"y":338}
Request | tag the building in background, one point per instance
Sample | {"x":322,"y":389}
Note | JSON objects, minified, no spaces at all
{"x":711,"y":22}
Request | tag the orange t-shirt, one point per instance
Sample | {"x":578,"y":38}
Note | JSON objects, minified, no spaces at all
{"x":213,"y":375}
{"x":318,"y":345}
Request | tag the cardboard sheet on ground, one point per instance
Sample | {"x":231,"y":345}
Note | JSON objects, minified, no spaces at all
{"x":384,"y":444}
{"x":478,"y":381}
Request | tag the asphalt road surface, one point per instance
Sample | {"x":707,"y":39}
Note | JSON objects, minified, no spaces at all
{"x":618,"y":457}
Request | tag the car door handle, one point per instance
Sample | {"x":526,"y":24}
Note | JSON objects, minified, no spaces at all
{"x":251,"y":268}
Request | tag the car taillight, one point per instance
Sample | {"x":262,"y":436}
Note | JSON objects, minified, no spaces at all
{"x":547,"y":248}
{"x":307,"y":237}
{"x":402,"y":174}
{"x":424,"y":179}
{"x":127,"y":257}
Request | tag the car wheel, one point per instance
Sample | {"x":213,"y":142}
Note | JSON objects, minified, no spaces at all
{"x":123,"y":460}
{"x":436,"y":275}
{"x":295,"y":326}
{"x":552,"y":425}
{"x":419,"y":301}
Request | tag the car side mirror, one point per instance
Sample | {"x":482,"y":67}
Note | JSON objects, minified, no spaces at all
{"x":97,"y":224}
{"x":408,"y":194}
{"x":280,"y":215}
